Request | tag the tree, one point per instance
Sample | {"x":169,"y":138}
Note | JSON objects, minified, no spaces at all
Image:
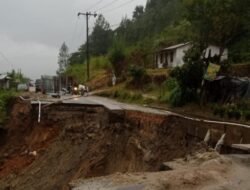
{"x":189,"y":78}
{"x":78,"y":57}
{"x":138,"y":12}
{"x":217,"y":22}
{"x":63,"y":58}
{"x":117,"y":58}
{"x":101,"y":37}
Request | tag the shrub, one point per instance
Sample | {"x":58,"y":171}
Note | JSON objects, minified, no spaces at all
{"x":137,"y":72}
{"x":159,"y":79}
{"x":116,"y":94}
{"x":230,"y":113}
{"x":216,"y":110}
{"x":180,"y":96}
{"x":5,"y":97}
{"x":164,"y":97}
{"x":123,"y":95}
{"x":247,"y":115}
{"x":222,"y":111}
{"x":136,"y":96}
{"x":170,"y":84}
{"x":175,"y":98}
{"x":117,"y":58}
{"x":237,"y":114}
{"x":148,"y":101}
{"x":189,"y":77}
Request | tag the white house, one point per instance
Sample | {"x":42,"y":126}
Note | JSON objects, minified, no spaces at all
{"x":4,"y":81}
{"x":215,"y":50}
{"x":173,"y":56}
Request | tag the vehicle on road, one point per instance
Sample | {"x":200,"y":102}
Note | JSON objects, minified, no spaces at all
{"x":80,"y":90}
{"x":22,"y":87}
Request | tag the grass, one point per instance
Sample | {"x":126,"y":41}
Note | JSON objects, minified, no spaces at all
{"x":158,"y":71}
{"x":155,"y":92}
{"x":98,"y":65}
{"x":5,"y":97}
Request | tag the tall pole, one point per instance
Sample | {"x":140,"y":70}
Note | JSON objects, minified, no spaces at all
{"x":87,"y":50}
{"x":87,"y":14}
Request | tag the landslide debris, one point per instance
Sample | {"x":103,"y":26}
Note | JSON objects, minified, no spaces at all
{"x":74,"y":141}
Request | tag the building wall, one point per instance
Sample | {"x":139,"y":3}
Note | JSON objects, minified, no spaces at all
{"x":174,"y":60}
{"x":180,"y":53}
{"x":160,"y":60}
{"x":216,"y":51}
{"x":165,"y":60}
{"x":4,"y":84}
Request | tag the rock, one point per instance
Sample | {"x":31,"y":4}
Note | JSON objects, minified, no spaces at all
{"x":5,"y":155}
{"x":33,"y":153}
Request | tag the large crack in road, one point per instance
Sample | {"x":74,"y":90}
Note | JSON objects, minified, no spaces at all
{"x":84,"y":140}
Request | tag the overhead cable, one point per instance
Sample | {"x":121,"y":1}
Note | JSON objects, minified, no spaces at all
{"x":94,"y":5}
{"x":118,"y":7}
{"x":6,"y":59}
{"x":105,"y":6}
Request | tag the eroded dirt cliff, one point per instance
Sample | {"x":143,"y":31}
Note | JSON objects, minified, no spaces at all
{"x":76,"y":141}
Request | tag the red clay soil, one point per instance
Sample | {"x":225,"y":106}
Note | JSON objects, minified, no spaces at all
{"x":75,"y":141}
{"x":22,"y":139}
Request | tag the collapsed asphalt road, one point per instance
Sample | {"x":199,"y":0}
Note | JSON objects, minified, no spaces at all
{"x":87,"y":137}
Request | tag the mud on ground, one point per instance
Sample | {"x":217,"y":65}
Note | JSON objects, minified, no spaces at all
{"x":74,"y":142}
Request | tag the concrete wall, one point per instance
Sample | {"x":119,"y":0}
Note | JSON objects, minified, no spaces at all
{"x":215,"y":50}
{"x":180,"y":53}
{"x":197,"y":129}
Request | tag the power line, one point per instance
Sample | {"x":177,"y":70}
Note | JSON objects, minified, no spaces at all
{"x":74,"y":33}
{"x":114,"y":25}
{"x":94,"y":5}
{"x":87,"y":15}
{"x":6,"y":59}
{"x":112,"y":2}
{"x":118,"y":7}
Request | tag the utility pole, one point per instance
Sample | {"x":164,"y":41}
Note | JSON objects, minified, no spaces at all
{"x":87,"y":14}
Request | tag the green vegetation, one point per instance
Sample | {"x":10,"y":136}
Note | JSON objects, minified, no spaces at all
{"x":125,"y":96}
{"x":128,"y":50}
{"x":236,"y":111}
{"x":165,"y":22}
{"x":16,"y":77}
{"x":97,"y":65}
{"x":5,"y":97}
{"x":117,"y":59}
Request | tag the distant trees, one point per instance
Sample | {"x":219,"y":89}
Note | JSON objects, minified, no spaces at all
{"x":17,"y":77}
{"x":217,"y":22}
{"x":117,"y":58}
{"x":78,"y":57}
{"x":138,"y":12}
{"x":225,"y":23}
{"x":63,"y":58}
{"x":101,"y":37}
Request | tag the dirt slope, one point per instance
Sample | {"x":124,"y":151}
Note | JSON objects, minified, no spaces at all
{"x":206,"y":171}
{"x":85,"y":141}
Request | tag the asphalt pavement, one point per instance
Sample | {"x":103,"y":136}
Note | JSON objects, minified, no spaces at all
{"x":113,"y":105}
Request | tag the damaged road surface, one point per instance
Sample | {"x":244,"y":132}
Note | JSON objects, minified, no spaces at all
{"x":92,"y":146}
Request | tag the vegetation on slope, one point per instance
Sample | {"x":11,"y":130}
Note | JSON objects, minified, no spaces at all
{"x":128,"y":51}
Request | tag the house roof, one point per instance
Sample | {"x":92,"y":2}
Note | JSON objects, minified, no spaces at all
{"x":176,"y":46}
{"x":4,"y":76}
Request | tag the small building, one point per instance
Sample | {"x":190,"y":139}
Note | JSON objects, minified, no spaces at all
{"x":173,"y":56}
{"x":212,"y":51}
{"x":47,"y":84}
{"x":4,"y":81}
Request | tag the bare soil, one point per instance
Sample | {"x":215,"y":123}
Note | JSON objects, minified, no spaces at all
{"x":80,"y":142}
{"x":202,"y":171}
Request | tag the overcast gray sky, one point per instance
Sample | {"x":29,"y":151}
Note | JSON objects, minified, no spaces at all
{"x":32,"y":31}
